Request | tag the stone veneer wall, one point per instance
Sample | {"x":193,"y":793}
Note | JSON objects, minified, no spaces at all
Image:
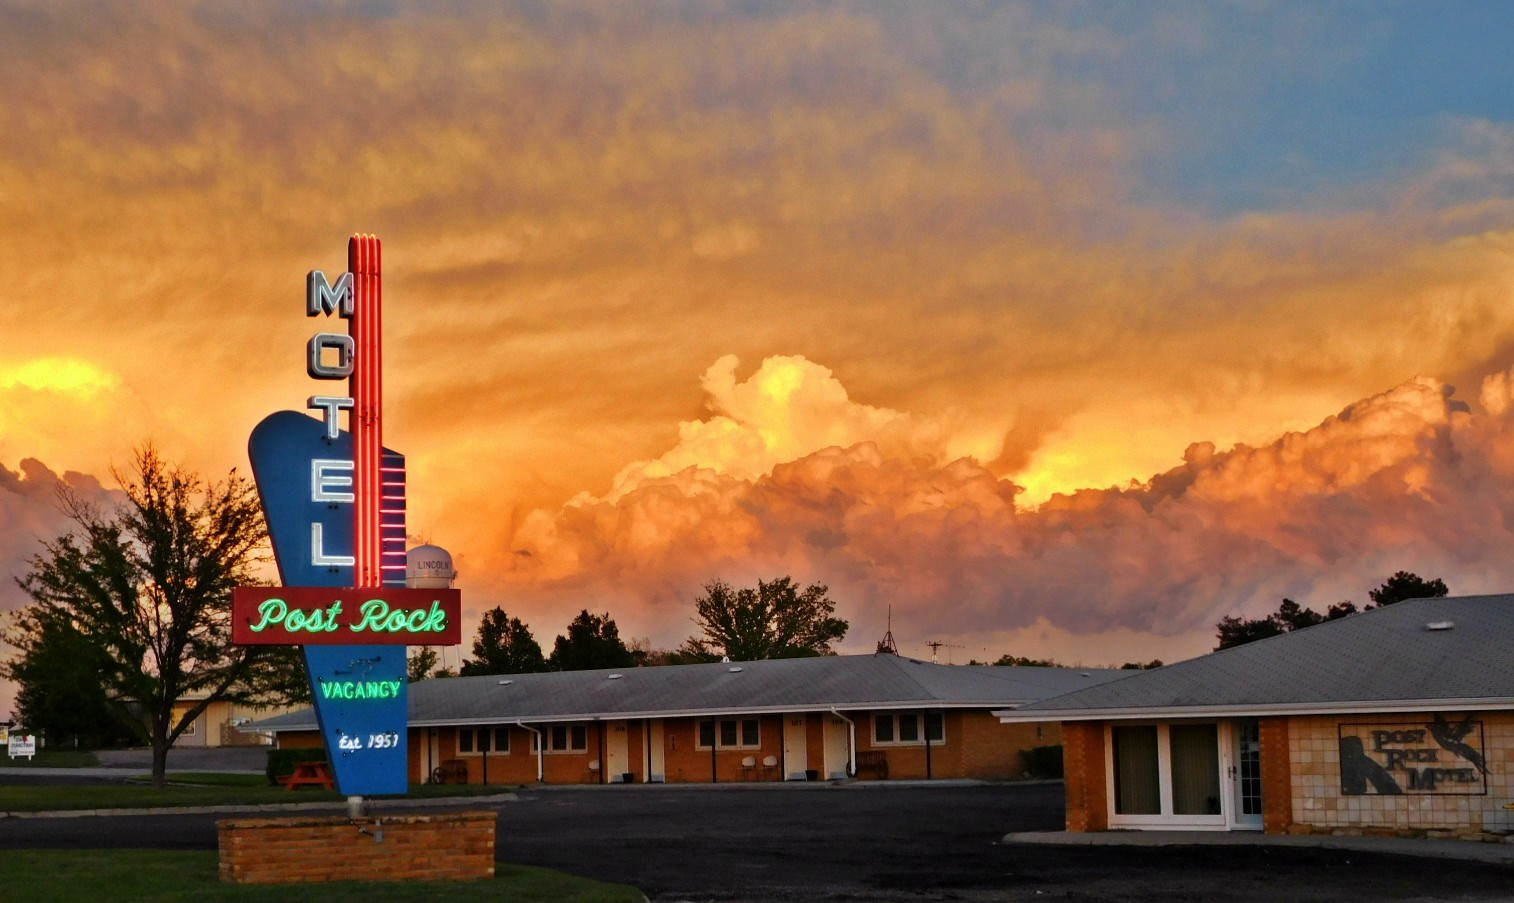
{"x":1319,"y":806}
{"x":452,"y":846}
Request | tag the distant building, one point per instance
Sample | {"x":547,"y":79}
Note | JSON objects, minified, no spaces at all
{"x":1399,"y":720}
{"x":868,"y":716}
{"x":224,"y":723}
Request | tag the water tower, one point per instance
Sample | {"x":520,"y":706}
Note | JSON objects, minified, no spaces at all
{"x":429,"y":567}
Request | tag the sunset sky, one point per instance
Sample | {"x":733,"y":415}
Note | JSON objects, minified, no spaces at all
{"x":1060,"y":329}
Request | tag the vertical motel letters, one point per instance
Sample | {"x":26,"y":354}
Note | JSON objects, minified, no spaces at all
{"x":330,"y":479}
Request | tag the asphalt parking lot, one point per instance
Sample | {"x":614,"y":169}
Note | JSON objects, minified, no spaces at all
{"x":936,"y":842}
{"x":889,"y":842}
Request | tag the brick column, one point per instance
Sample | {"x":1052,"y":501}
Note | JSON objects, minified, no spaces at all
{"x":1083,"y":767}
{"x":1277,"y":783}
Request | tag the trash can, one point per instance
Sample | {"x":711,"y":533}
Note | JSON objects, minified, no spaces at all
{"x":811,"y":774}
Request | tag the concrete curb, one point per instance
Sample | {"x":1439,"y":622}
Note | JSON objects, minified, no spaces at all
{"x":330,"y":805}
{"x":1500,"y":853}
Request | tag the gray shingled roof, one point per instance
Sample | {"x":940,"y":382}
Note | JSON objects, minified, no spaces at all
{"x":1387,"y":659}
{"x":843,"y":682}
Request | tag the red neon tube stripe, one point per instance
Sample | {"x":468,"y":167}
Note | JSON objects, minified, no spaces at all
{"x":365,"y":262}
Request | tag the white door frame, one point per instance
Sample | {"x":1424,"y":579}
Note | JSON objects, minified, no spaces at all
{"x":1168,"y":820}
{"x":1230,"y":762}
{"x":837,"y":747}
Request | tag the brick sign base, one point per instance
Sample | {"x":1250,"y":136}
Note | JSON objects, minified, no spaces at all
{"x":447,"y":847}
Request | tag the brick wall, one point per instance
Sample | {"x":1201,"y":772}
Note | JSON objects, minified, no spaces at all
{"x":1277,"y":793}
{"x":1083,"y":764}
{"x":686,"y":762}
{"x":978,"y":745}
{"x":453,"y":846}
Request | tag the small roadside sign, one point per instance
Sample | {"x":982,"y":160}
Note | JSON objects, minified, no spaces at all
{"x":21,"y":745}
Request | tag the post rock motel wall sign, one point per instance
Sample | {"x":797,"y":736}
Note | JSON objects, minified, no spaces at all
{"x":335,"y":504}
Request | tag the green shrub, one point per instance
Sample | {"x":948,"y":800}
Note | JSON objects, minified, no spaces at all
{"x":1043,"y":761}
{"x":281,"y":762}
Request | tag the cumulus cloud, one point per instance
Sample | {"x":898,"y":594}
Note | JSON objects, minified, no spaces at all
{"x":788,"y":408}
{"x":1409,"y":478}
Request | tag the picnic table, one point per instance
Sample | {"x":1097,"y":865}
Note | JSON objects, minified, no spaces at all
{"x":310,"y":774}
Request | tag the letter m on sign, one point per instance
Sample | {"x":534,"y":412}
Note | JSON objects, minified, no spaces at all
{"x":321,"y":297}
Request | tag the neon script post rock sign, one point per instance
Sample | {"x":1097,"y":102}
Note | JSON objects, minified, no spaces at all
{"x":289,"y":615}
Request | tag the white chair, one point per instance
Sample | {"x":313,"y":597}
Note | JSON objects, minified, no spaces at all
{"x":749,"y":768}
{"x":769,"y":766}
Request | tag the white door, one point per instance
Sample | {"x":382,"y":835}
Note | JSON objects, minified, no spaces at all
{"x":617,"y":751}
{"x":837,"y":747}
{"x":656,"y":771}
{"x":1246,"y":776}
{"x":795,"y":747}
{"x":426,"y":763}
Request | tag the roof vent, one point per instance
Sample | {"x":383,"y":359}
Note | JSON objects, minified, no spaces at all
{"x":1440,"y":625}
{"x":506,"y":683}
{"x":735,"y":669}
{"x":615,"y":677}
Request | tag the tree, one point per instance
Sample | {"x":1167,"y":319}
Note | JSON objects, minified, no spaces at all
{"x":1140,"y":666}
{"x":420,"y":663}
{"x":1404,"y":585}
{"x":1023,"y":662}
{"x":593,"y":641}
{"x":1290,"y":616}
{"x":61,"y":695}
{"x":148,"y":585}
{"x":504,"y":645}
{"x":1233,"y":631}
{"x":774,"y":620}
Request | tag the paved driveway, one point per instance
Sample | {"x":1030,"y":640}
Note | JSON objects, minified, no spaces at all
{"x":887,"y":843}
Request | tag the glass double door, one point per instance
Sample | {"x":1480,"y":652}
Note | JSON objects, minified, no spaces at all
{"x":1186,"y":775}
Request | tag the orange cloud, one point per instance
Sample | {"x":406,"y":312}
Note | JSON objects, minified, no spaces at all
{"x":1410,"y":478}
{"x":583,"y":205}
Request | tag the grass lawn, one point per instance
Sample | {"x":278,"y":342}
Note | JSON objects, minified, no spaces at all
{"x":202,"y":790}
{"x":41,"y":876}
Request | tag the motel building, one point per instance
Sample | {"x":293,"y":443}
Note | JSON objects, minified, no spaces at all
{"x":876,"y":717}
{"x":1396,"y":721}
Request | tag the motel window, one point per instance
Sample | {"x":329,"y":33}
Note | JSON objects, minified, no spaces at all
{"x":733,"y":733}
{"x":908,"y":729}
{"x":476,"y":741}
{"x":1165,"y":772}
{"x":564,"y":738}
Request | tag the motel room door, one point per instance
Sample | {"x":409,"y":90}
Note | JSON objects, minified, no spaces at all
{"x":1246,"y":776}
{"x":795,"y":747}
{"x":617,"y":752}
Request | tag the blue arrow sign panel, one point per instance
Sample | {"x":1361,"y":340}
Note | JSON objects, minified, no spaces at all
{"x":304,"y":479}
